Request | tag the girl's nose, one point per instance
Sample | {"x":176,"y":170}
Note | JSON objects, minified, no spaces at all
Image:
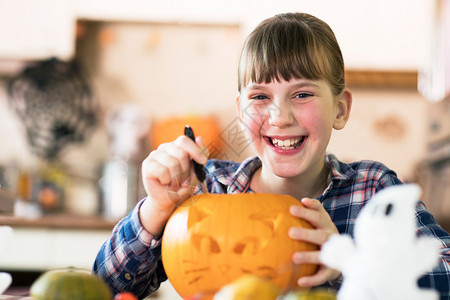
{"x":280,"y":114}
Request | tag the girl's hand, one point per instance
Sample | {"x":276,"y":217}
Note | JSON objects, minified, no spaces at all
{"x":169,"y":179}
{"x":316,"y":215}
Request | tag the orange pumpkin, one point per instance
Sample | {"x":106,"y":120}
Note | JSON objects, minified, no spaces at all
{"x":169,"y":129}
{"x":221,"y":237}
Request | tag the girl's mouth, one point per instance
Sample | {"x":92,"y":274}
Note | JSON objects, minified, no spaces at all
{"x":286,"y":144}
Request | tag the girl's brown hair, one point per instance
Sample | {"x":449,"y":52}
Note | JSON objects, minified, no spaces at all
{"x":292,"y":45}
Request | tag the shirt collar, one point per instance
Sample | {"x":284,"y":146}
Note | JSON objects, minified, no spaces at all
{"x":239,"y":182}
{"x":338,"y":169}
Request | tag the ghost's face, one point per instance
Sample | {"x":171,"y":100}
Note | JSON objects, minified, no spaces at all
{"x":388,"y":218}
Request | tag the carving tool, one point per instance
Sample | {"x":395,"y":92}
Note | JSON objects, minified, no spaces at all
{"x":199,"y":169}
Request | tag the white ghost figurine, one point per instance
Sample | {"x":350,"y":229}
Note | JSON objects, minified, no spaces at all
{"x":386,"y":257}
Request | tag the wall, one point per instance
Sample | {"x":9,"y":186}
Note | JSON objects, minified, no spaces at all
{"x":168,"y":69}
{"x":183,"y":61}
{"x":387,"y":126}
{"x":386,"y":34}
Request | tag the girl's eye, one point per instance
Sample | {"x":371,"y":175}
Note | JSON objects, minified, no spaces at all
{"x":303,"y":95}
{"x":259,"y":97}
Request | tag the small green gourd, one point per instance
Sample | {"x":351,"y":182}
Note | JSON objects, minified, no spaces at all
{"x":69,"y":284}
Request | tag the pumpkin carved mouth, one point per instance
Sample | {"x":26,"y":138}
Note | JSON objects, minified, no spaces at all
{"x":266,"y":272}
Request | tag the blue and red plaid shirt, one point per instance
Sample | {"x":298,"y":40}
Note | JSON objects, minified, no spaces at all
{"x":131,"y":259}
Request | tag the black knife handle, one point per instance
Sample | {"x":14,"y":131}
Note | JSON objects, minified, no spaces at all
{"x":198,"y":168}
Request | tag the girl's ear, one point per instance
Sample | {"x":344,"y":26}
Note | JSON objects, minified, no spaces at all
{"x":343,"y":106}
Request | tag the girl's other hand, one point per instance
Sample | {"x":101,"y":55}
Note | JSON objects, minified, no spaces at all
{"x":313,"y":212}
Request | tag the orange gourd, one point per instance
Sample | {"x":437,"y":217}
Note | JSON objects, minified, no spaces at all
{"x":167,"y":130}
{"x":217,"y":238}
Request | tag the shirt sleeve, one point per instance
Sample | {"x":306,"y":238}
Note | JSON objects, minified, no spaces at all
{"x":439,"y":277}
{"x":130,"y":260}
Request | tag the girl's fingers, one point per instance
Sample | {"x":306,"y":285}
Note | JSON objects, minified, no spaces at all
{"x":313,"y":212}
{"x":195,"y":152}
{"x":172,"y":165}
{"x":152,"y":170}
{"x":311,"y":203}
{"x":322,"y":276}
{"x":177,"y":153}
{"x":314,"y":236}
{"x":179,"y":195}
{"x":201,"y":143}
{"x":306,"y":257}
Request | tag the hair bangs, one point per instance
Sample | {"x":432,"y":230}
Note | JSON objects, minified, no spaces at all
{"x":291,"y":46}
{"x":277,"y":56}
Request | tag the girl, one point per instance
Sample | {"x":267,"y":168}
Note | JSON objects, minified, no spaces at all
{"x":292,"y":95}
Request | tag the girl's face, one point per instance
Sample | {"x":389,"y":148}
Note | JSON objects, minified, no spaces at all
{"x":289,"y":123}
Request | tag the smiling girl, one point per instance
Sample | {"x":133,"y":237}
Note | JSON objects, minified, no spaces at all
{"x":292,"y":95}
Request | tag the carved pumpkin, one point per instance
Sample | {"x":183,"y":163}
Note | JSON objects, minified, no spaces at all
{"x":221,"y":237}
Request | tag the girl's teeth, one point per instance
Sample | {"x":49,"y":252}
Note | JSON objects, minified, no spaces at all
{"x":285,"y":144}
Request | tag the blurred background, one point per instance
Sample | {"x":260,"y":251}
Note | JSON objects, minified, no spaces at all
{"x":88,"y":88}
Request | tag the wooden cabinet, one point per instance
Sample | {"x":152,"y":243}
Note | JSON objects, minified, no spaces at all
{"x":54,"y":241}
{"x":41,"y":249}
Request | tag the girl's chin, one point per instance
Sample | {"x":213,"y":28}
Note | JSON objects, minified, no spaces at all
{"x":285,"y":170}
{"x":285,"y":161}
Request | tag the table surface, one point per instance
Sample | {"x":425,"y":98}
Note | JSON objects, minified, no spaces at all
{"x":14,"y":293}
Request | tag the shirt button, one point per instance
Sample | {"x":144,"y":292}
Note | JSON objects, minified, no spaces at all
{"x":127,"y":276}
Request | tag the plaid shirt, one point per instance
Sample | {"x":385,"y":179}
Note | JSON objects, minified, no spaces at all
{"x":131,"y":259}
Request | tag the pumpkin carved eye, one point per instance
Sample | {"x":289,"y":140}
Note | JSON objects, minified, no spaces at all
{"x":205,"y":244}
{"x":270,"y":220}
{"x":196,"y":215}
{"x":249,"y":246}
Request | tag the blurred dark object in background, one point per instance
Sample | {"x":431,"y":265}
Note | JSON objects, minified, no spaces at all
{"x":55,"y":103}
{"x":7,"y":199}
{"x":8,"y":174}
{"x":433,"y":172}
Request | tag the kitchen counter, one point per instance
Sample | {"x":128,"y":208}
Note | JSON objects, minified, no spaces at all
{"x":59,"y":221}
{"x":58,"y":241}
